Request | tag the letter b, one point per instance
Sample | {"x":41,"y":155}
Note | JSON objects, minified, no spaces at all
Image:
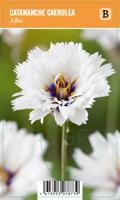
{"x":105,"y":14}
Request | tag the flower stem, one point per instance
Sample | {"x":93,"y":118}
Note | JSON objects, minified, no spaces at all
{"x":64,"y":151}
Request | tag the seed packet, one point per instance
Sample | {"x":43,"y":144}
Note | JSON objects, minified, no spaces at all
{"x":59,"y":100}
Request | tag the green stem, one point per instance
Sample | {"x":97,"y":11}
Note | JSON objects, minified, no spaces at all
{"x":64,"y":151}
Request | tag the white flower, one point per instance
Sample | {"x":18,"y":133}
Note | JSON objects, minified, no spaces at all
{"x":65,"y":80}
{"x":108,"y":38}
{"x":101,"y":169}
{"x":21,"y":164}
{"x":13,"y":36}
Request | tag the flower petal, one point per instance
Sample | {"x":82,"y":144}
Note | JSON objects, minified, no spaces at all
{"x":80,"y":117}
{"x":60,"y":120}
{"x":38,"y":114}
{"x":98,"y":143}
{"x":67,"y":111}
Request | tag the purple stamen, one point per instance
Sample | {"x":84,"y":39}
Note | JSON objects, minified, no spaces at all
{"x":73,"y":88}
{"x":10,"y":176}
{"x":52,"y":89}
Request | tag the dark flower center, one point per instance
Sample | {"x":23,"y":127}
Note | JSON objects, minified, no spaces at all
{"x":61,"y":87}
{"x":6,"y":176}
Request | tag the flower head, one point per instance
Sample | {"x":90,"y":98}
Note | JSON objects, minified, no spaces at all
{"x":21,"y":164}
{"x":108,"y":38}
{"x":64,"y":81}
{"x":101,"y":169}
{"x":12,"y":36}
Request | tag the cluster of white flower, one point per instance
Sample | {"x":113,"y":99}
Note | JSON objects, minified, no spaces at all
{"x":21,"y":164}
{"x":101,"y":169}
{"x":12,"y":36}
{"x":108,"y":38}
{"x":63,"y":81}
